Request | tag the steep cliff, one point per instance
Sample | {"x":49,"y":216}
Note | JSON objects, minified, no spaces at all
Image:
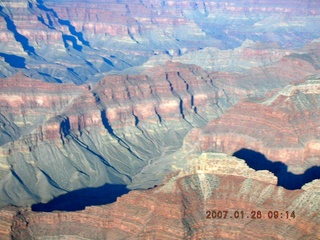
{"x":214,"y":196}
{"x":59,"y":42}
{"x":284,"y":127}
{"x":106,"y":134}
{"x":117,"y":131}
{"x":100,"y":100}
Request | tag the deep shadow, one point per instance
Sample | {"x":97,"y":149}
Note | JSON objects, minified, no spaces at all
{"x":72,"y":29}
{"x":73,"y":40}
{"x":286,"y":179}
{"x":106,"y":123}
{"x":136,"y":119}
{"x":13,"y":60}
{"x":79,"y":199}
{"x":18,"y":37}
{"x":108,"y":62}
{"x":65,"y":127}
{"x":41,"y":19}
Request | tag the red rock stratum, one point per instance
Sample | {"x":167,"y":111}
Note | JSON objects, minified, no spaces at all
{"x":252,"y":207}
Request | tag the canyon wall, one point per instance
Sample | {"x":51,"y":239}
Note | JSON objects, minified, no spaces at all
{"x":81,"y":42}
{"x":129,"y":119}
{"x":188,"y":206}
{"x":283,"y":127}
{"x":105,"y":134}
{"x":118,"y":130}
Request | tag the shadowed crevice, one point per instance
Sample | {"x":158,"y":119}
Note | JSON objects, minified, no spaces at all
{"x":72,"y":29}
{"x":41,"y":6}
{"x":9,"y":131}
{"x":41,"y":19}
{"x":136,"y":119}
{"x":97,"y":154}
{"x":108,"y":61}
{"x":108,"y":127}
{"x":158,"y":115}
{"x":106,"y":123}
{"x":13,"y":60}
{"x":79,"y":199}
{"x":181,"y":108}
{"x":47,"y":76}
{"x":286,"y":179}
{"x":17,"y":36}
{"x":65,"y":127}
{"x":67,"y":39}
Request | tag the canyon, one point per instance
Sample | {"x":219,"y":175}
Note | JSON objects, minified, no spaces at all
{"x":56,"y":42}
{"x":143,"y":119}
{"x":178,"y":209}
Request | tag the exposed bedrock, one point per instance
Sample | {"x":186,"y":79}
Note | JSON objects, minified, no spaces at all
{"x":284,"y":127}
{"x":28,"y":103}
{"x":59,"y":42}
{"x":100,"y":100}
{"x":75,"y":137}
{"x":187,"y":206}
{"x":62,"y":137}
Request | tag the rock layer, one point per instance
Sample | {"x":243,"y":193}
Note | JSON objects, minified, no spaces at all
{"x":177,"y":209}
{"x":126,"y":124}
{"x":165,"y":82}
{"x":60,"y":42}
{"x":28,"y":103}
{"x":282,"y":127}
{"x":103,"y":134}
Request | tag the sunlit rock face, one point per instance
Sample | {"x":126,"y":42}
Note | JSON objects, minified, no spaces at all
{"x":187,"y":206}
{"x":67,"y":41}
{"x":29,"y":103}
{"x":110,"y":133}
{"x":128,"y":119}
{"x":284,"y":127}
{"x":125,"y":129}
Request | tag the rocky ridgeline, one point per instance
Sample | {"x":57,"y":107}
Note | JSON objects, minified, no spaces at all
{"x":28,"y":103}
{"x":126,"y":124}
{"x":107,"y":133}
{"x":283,"y":127}
{"x":58,"y":42}
{"x":187,"y":206}
{"x":165,"y":83}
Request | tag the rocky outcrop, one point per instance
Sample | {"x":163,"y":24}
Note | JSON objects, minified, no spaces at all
{"x":166,"y":82}
{"x":6,"y":217}
{"x":214,"y":196}
{"x":141,"y":118}
{"x":58,"y":42}
{"x":89,"y":131}
{"x":283,"y":127}
{"x":26,"y":104}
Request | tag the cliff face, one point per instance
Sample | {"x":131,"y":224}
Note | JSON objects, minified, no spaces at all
{"x":89,"y":130}
{"x":101,"y":97}
{"x":188,"y":205}
{"x":60,"y":42}
{"x":28,"y":103}
{"x":282,"y":126}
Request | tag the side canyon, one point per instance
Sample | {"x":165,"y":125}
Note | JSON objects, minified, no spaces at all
{"x":146,"y":119}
